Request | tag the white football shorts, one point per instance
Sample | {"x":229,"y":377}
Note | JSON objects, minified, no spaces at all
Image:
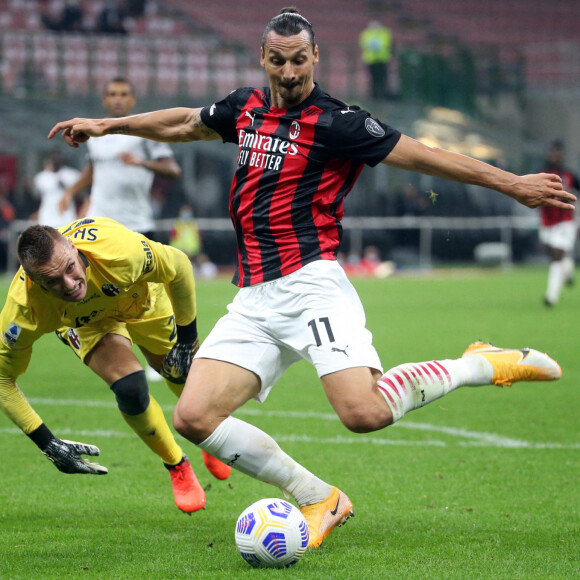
{"x":561,"y":236}
{"x":313,"y":314}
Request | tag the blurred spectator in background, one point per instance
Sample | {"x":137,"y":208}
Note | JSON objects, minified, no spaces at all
{"x":121,"y":169}
{"x":370,"y":264}
{"x":558,"y":229}
{"x":204,"y":268}
{"x":370,"y":261}
{"x":49,"y":186}
{"x":185,"y":234}
{"x":376,"y":43}
{"x":111,"y":20}
{"x":69,"y":19}
{"x":410,"y":204}
{"x":7,"y":216}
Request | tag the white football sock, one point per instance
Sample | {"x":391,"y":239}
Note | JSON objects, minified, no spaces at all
{"x":556,"y":277}
{"x":253,"y":452}
{"x":568,"y":268}
{"x":413,"y":385}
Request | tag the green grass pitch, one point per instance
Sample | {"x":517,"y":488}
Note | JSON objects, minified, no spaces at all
{"x":483,"y":483}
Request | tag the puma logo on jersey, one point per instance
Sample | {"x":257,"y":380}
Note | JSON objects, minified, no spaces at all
{"x":252,"y":117}
{"x":347,"y":110}
{"x":343,"y":351}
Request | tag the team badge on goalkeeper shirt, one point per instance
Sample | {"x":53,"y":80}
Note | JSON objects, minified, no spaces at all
{"x":73,"y":338}
{"x":110,"y":290}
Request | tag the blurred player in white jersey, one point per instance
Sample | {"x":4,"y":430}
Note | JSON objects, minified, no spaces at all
{"x":121,"y":169}
{"x":49,"y":185}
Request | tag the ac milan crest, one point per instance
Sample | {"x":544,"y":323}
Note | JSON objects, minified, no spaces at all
{"x":294,"y":130}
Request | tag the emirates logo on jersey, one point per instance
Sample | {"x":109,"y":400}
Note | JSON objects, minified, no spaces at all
{"x":73,"y":338}
{"x":294,"y":130}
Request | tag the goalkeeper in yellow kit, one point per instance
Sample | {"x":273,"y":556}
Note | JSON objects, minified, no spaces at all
{"x":102,"y":288}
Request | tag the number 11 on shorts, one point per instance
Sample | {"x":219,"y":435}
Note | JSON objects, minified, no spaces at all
{"x":314,"y":328}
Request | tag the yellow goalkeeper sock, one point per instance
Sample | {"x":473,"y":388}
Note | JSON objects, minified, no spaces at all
{"x":153,"y":429}
{"x":175,"y":388}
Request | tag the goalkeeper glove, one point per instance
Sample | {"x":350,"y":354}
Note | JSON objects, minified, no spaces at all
{"x":177,"y":361}
{"x":66,"y":455}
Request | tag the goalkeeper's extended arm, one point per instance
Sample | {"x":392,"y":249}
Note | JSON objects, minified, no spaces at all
{"x":178,"y":360}
{"x":64,"y":454}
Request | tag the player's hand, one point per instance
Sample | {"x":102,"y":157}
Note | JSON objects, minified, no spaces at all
{"x":64,"y":202}
{"x":130,"y":159}
{"x":539,"y":189}
{"x":177,"y":361}
{"x":66,"y":456}
{"x":78,"y":130}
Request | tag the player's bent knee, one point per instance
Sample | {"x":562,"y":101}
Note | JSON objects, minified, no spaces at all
{"x":366,"y":420}
{"x":193,"y":426}
{"x":132,"y":393}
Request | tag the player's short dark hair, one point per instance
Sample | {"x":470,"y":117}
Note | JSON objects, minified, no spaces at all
{"x":121,"y":80}
{"x":35,"y":246}
{"x":288,"y":23}
{"x":56,"y":157}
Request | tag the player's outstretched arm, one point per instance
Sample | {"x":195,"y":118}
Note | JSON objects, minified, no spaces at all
{"x":66,"y":455}
{"x":168,"y":125}
{"x":530,"y":190}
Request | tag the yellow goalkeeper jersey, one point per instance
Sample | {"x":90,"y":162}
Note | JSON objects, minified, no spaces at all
{"x":123,"y":269}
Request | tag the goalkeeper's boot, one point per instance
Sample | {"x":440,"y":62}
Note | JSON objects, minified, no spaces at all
{"x":516,"y":364}
{"x":188,"y":493}
{"x":216,"y":467}
{"x":324,"y":516}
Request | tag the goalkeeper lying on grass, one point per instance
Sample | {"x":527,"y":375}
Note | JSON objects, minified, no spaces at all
{"x":102,"y":287}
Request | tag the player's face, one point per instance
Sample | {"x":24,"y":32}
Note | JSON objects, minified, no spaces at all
{"x":64,"y":275}
{"x":118,"y":99}
{"x":555,"y":156}
{"x":289,"y":63}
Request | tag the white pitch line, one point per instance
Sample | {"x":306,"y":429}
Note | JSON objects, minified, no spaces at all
{"x":474,"y":438}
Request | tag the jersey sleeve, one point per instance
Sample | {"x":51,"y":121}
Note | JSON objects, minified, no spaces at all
{"x":69,"y":176}
{"x":14,"y":405}
{"x":157,"y":150}
{"x":222,"y":115}
{"x":173,"y":269}
{"x":354,"y":134}
{"x":20,"y":328}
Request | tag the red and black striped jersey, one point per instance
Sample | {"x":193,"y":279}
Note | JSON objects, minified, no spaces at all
{"x":295,"y":168}
{"x":554,"y":215}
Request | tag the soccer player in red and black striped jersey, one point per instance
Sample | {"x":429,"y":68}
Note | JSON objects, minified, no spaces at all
{"x":299,"y":154}
{"x":558,"y":229}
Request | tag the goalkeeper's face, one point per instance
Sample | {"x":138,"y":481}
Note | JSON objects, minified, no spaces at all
{"x":64,"y":275}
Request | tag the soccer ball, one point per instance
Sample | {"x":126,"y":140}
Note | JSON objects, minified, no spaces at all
{"x":271,"y":533}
